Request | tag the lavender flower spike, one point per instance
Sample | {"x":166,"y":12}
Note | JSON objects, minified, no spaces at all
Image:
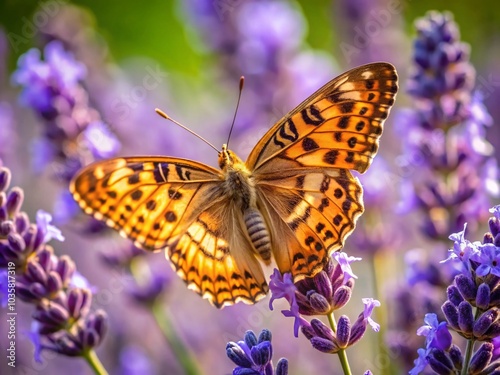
{"x":253,"y":356}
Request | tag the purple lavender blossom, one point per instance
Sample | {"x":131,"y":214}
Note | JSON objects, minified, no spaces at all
{"x":253,"y":356}
{"x":447,"y":156}
{"x":471,"y":309}
{"x":327,"y":291}
{"x":73,"y":134}
{"x":64,"y":322}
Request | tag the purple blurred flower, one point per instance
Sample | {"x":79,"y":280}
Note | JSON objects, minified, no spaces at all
{"x":43,"y":220}
{"x":446,"y":151}
{"x":44,"y":82}
{"x":368,"y":31}
{"x":7,"y":133}
{"x":263,"y":41}
{"x":73,"y":133}
{"x":134,"y":361}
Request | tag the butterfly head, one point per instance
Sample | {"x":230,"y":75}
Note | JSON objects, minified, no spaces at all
{"x":227,"y":158}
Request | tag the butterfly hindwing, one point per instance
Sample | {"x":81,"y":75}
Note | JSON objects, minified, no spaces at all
{"x":216,"y":260}
{"x":338,"y":126}
{"x":318,"y":209}
{"x":148,"y":199}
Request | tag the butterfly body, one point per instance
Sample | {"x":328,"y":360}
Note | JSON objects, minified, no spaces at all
{"x":294,"y":200}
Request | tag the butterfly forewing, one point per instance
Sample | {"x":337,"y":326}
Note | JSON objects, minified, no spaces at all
{"x":147,"y":199}
{"x":338,"y":126}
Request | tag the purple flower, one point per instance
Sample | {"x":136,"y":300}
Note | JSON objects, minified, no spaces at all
{"x":42,"y":79}
{"x":43,"y":220}
{"x":282,"y":286}
{"x":253,"y":355}
{"x":488,"y":258}
{"x":100,"y":140}
{"x":73,"y":133}
{"x":62,"y":301}
{"x":436,"y":333}
{"x":446,"y":132}
{"x":462,"y":250}
{"x":370,"y":304}
{"x":344,"y":262}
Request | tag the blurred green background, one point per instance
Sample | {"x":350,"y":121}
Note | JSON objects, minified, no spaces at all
{"x":133,"y":28}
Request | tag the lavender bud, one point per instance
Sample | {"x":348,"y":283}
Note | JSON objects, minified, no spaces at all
{"x":341,"y":296}
{"x":323,"y":345}
{"x":357,"y":331}
{"x":65,"y":268}
{"x":483,"y":296}
{"x":250,"y":339}
{"x":308,"y":331}
{"x":265,"y":335}
{"x":14,"y":201}
{"x":439,"y":362}
{"x":99,"y":322}
{"x":237,"y":355}
{"x":35,"y":272}
{"x":261,"y":353}
{"x":319,"y":303}
{"x":282,"y":367}
{"x":456,"y":356}
{"x":54,"y":282}
{"x":451,"y":314}
{"x":322,"y":330}
{"x":466,"y":286}
{"x":3,"y":214}
{"x":343,"y":331}
{"x":22,"y":222}
{"x":323,"y":284}
{"x":90,"y":338}
{"x":481,"y":358}
{"x":465,"y":317}
{"x":5,"y":177}
{"x":16,"y":242}
{"x":6,"y":227}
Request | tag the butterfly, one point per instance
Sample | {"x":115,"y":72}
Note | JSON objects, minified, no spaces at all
{"x":294,"y":199}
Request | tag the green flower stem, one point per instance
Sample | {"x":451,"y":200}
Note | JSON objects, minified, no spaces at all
{"x":341,"y":353}
{"x":468,"y":350}
{"x":180,"y":351}
{"x":94,"y":362}
{"x":468,"y":354}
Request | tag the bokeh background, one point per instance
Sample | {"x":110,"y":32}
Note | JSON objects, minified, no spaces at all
{"x":186,"y":57}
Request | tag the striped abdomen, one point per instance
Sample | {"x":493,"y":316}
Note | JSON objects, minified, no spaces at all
{"x":257,"y":230}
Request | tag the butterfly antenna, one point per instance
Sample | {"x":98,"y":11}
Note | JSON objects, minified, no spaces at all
{"x":242,"y":81}
{"x":167,"y":117}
